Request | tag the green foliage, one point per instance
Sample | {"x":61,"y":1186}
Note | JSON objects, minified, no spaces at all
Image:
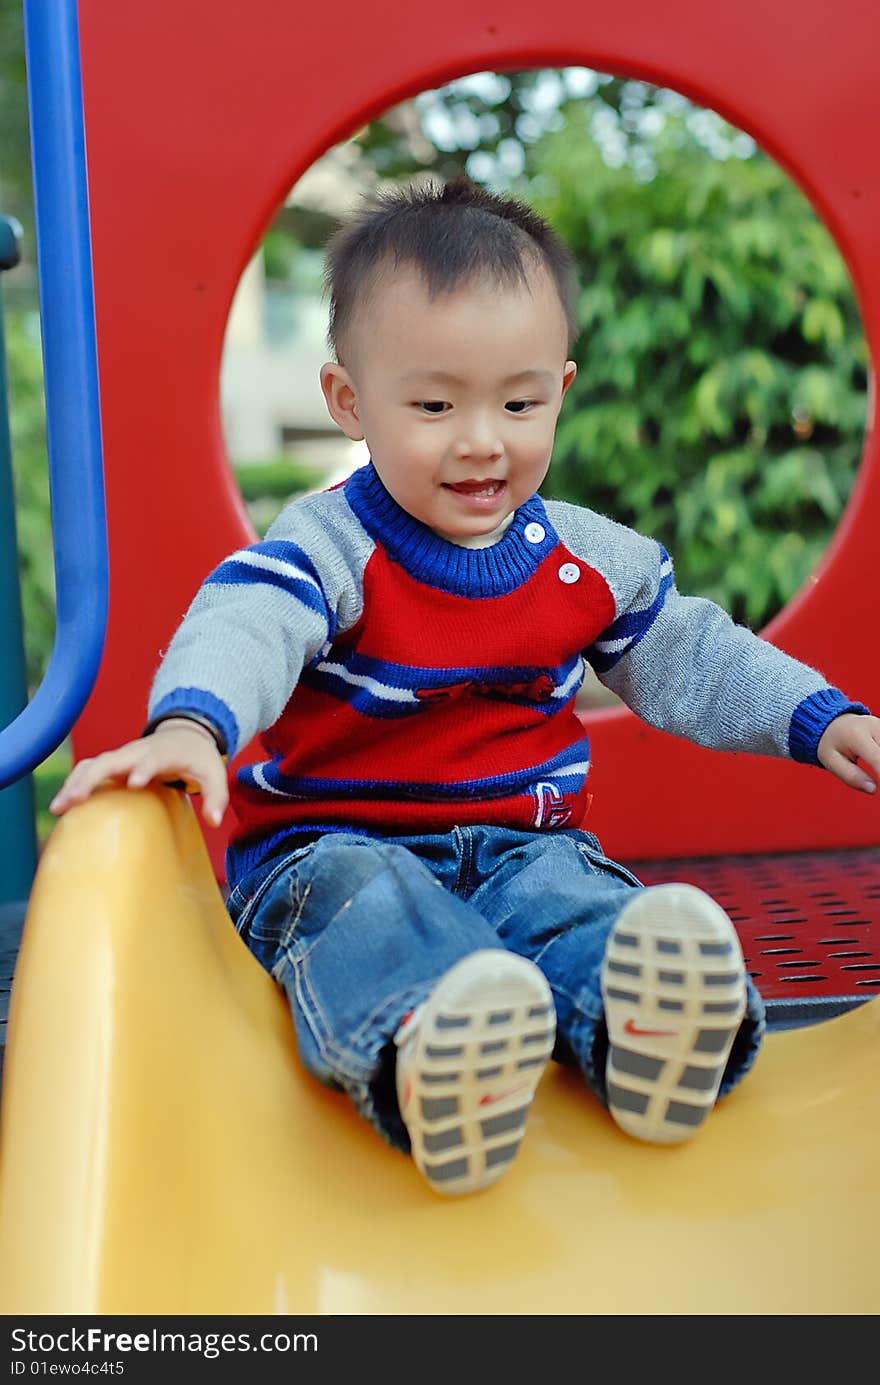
{"x":720,"y":399}
{"x":268,"y":486}
{"x":16,"y":191}
{"x":48,"y":778}
{"x":484,"y":123}
{"x":476,"y":115}
{"x":27,"y":424}
{"x":286,"y":260}
{"x":279,"y":479}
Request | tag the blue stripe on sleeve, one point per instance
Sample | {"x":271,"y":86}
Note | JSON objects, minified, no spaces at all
{"x":287,"y":552}
{"x":632,"y":626}
{"x":287,"y":567}
{"x":812,"y":717}
{"x":183,"y":700}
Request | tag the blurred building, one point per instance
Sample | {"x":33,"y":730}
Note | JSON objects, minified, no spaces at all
{"x":275,"y":344}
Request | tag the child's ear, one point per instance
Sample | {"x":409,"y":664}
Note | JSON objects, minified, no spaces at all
{"x":569,"y":371}
{"x":341,"y":399}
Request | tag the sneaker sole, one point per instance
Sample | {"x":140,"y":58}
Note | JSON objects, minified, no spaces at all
{"x":482,"y":1044}
{"x":674,"y":988}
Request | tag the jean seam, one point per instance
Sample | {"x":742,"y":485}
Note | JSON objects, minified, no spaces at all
{"x":250,"y":908}
{"x":403,"y":998}
{"x":575,"y":999}
{"x":345,"y":1060}
{"x":584,"y":1055}
{"x":347,"y":1063}
{"x":585,"y":856}
{"x":466,"y":846}
{"x":599,"y":862}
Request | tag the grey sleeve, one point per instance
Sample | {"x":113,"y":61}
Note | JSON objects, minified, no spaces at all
{"x":684,"y":666}
{"x":262,"y":616}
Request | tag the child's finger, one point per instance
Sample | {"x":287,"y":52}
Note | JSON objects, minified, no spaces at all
{"x":850,"y":773}
{"x":201,"y":773}
{"x":859,"y":749}
{"x":214,"y":810}
{"x":215,"y":795}
{"x":85,"y":778}
{"x":139,"y":763}
{"x":868,"y":752}
{"x":142,"y":774}
{"x":72,"y":794}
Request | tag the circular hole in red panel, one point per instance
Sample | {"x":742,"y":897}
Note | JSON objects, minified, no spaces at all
{"x":721,"y":390}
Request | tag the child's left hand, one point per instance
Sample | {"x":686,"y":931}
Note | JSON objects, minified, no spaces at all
{"x":849,"y":738}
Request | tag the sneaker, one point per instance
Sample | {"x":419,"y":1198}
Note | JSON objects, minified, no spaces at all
{"x":468,"y":1063}
{"x":674,"y":987}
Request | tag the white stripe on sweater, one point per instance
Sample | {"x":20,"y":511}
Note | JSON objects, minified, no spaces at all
{"x":566,"y":770}
{"x":251,"y":559}
{"x":263,"y":782}
{"x":615,"y":646}
{"x":363,"y":680}
{"x":571,"y":681}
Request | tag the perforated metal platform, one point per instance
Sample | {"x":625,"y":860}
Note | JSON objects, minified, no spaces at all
{"x":809,"y":923}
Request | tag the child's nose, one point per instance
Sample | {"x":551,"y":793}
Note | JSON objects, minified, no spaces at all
{"x":479,"y":441}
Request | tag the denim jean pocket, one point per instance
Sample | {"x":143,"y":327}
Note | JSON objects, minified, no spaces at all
{"x":591,"y":849}
{"x":246,"y":898}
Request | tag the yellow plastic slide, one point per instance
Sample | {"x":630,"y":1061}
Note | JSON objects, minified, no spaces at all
{"x":163,"y":1151}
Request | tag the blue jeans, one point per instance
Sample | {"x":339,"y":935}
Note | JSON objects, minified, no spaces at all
{"x":358,"y":930}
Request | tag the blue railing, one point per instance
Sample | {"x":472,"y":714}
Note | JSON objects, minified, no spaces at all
{"x":76,"y":481}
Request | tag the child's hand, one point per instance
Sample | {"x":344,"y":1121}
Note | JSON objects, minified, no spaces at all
{"x":849,"y":738}
{"x":177,"y":749}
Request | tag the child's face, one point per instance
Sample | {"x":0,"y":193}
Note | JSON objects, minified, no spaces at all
{"x":456,"y":396}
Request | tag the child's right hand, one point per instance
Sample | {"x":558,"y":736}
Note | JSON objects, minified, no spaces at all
{"x":177,"y":749}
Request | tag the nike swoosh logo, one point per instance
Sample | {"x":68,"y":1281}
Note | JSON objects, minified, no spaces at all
{"x":489,"y":1099}
{"x":632,"y":1028}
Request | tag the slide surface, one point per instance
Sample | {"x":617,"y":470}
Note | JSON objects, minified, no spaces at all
{"x":163,"y":1152}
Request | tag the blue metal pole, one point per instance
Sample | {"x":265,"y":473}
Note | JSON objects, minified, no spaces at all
{"x":18,"y":837}
{"x":73,"y":422}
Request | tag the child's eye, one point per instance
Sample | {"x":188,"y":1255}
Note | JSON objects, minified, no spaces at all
{"x":432,"y":406}
{"x":519,"y":406}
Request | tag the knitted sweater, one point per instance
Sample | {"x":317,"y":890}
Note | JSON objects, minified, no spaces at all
{"x":407,"y":684}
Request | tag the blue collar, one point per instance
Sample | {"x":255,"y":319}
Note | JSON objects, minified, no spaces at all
{"x":476,"y":572}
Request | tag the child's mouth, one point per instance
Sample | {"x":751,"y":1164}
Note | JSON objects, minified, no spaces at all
{"x":477,"y":491}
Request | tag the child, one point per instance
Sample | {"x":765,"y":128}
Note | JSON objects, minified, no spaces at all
{"x":407,"y":861}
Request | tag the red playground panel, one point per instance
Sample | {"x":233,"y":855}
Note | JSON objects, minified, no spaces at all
{"x":183,"y":187}
{"x":808,"y":923}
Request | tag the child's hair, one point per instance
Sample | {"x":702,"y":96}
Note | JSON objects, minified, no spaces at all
{"x":452,"y":234}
